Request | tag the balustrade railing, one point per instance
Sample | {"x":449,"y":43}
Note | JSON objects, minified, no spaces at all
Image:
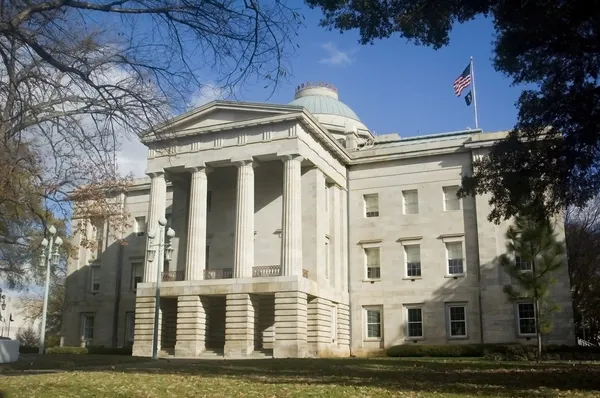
{"x":218,"y":273}
{"x":171,"y":276}
{"x":266,"y":270}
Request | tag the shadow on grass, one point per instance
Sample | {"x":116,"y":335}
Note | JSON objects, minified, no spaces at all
{"x":473,"y":377}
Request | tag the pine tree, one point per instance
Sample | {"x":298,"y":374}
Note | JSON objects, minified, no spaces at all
{"x":533,"y":255}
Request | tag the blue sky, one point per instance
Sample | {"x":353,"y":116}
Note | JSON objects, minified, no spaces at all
{"x":398,"y":87}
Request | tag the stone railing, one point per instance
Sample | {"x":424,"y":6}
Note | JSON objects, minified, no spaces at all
{"x":218,"y":273}
{"x":171,"y":276}
{"x":266,"y":270}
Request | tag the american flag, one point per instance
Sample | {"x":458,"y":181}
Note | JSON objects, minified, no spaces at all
{"x":462,"y":81}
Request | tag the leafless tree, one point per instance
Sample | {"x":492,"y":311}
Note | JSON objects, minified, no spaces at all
{"x":76,"y":77}
{"x":582,"y":229}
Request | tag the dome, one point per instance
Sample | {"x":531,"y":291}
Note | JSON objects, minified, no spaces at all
{"x":322,"y":99}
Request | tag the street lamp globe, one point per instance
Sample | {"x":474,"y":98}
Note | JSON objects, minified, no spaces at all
{"x":162,"y":222}
{"x":52,"y":230}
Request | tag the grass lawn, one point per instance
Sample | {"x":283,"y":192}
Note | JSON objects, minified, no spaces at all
{"x":120,"y":376}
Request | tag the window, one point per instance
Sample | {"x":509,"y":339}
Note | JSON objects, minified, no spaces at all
{"x":327,"y":257}
{"x":523,"y":265}
{"x":95,"y":278}
{"x":207,"y":255}
{"x":140,"y":226}
{"x":169,"y":218}
{"x":457,"y":316}
{"x":334,"y":325}
{"x":415,"y":322}
{"x":371,"y":205}
{"x":372,"y":255}
{"x":413,"y":260}
{"x":98,"y":227}
{"x":87,"y":327}
{"x":410,"y":201}
{"x":208,"y":201}
{"x":451,"y":201}
{"x":137,"y":273}
{"x":455,"y":258}
{"x":526,"y":318}
{"x":373,"y":322}
{"x":129,"y":326}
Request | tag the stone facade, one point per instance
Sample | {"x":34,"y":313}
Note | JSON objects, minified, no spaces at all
{"x":300,"y":235}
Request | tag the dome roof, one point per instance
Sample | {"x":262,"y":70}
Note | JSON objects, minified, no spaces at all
{"x":322,"y":99}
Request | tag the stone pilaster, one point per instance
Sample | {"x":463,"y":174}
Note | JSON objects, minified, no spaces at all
{"x":291,"y":237}
{"x":144,"y":326}
{"x":196,"y":247}
{"x":244,"y":221}
{"x":319,"y":325}
{"x":239,"y":326}
{"x":345,"y":266}
{"x":156,"y":211}
{"x":191,"y":327}
{"x":290,"y":325}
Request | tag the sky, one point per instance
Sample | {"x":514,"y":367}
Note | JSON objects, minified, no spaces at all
{"x":393,"y":86}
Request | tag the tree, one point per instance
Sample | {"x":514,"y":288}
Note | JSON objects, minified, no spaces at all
{"x":31,"y":306}
{"x":582,"y":230}
{"x":533,"y":255}
{"x":28,"y":337}
{"x":77,"y":77}
{"x":550,"y":159}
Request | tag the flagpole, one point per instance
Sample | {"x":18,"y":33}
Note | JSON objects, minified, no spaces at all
{"x":474,"y":94}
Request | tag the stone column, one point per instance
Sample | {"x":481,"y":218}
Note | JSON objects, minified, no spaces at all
{"x":244,"y":221}
{"x":318,"y":326}
{"x":239,"y":326}
{"x":191,"y":327}
{"x":343,"y":334}
{"x":196,"y":246}
{"x":290,"y":325}
{"x":291,"y":231}
{"x":144,"y":327}
{"x":156,"y":211}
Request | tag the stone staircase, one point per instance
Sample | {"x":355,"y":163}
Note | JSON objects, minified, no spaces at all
{"x":212,"y":353}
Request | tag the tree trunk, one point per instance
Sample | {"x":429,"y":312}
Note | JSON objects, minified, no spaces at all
{"x":537,"y":330}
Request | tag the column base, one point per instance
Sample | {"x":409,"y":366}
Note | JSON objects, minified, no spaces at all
{"x":142,"y":349}
{"x":290,"y":325}
{"x":189,"y":349}
{"x":239,"y":326}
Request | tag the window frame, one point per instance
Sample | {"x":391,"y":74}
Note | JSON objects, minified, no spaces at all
{"x":137,"y":226}
{"x":366,"y":262}
{"x":132,"y":284}
{"x":406,"y":262}
{"x":366,"y":309}
{"x":366,"y":212}
{"x":455,"y":189}
{"x":84,"y":327}
{"x":327,"y":257}
{"x":449,"y":307}
{"x":405,"y":204}
{"x":519,"y":263}
{"x":518,"y":319}
{"x":129,"y":329}
{"x":408,"y":322}
{"x":448,"y":259}
{"x":94,"y":269}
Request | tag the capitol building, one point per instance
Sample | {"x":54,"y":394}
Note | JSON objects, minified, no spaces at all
{"x":300,"y":233}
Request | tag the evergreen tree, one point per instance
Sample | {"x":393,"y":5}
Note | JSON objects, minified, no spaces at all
{"x":533,"y":255}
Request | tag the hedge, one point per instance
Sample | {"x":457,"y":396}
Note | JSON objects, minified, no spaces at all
{"x":497,"y":352}
{"x":67,"y":350}
{"x":26,"y":349}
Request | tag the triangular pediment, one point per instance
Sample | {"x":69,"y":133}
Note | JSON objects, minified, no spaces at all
{"x":222,"y":113}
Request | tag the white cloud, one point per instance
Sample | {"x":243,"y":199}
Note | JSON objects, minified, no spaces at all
{"x":209,"y":92}
{"x":132,"y":157}
{"x":335,"y":56}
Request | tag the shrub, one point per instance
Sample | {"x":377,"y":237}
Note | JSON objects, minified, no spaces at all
{"x":28,"y":337}
{"x":101,"y":350}
{"x":67,"y":350}
{"x":26,"y":349}
{"x":52,"y":340}
{"x":421,"y":350}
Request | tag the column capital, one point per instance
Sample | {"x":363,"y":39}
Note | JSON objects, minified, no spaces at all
{"x":244,"y":160}
{"x":198,"y":167}
{"x":154,"y":174}
{"x":290,"y":155}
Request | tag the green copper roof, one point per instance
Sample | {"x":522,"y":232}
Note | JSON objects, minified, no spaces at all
{"x":317,"y":104}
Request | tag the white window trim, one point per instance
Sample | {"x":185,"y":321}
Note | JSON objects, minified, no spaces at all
{"x":364,"y":199}
{"x":406,"y":276}
{"x":414,"y":306}
{"x":366,"y":324}
{"x":449,"y":321}
{"x":94,"y":268}
{"x":137,"y":226}
{"x":364,"y":254}
{"x":327,"y":250}
{"x":464,"y":259}
{"x":460,"y":204}
{"x":522,"y":270}
{"x":132,"y":285}
{"x":83,"y":328}
{"x":518,"y":319}
{"x":404,"y":201}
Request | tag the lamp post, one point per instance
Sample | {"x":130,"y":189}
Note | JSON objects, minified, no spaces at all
{"x":151,"y":254}
{"x":3,"y":306}
{"x":48,"y":258}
